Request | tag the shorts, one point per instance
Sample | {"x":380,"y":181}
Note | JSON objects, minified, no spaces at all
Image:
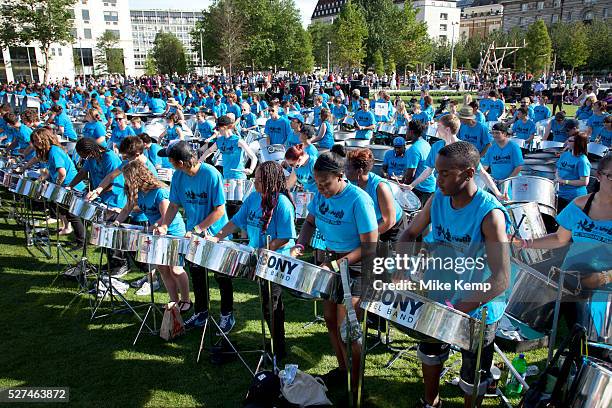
{"x":436,"y":353}
{"x":356,"y":282}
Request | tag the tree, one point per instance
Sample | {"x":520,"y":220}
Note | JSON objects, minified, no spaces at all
{"x":150,"y":66}
{"x":169,"y":54}
{"x":351,"y":32}
{"x":378,"y":63}
{"x":571,"y":44}
{"x":45,"y":22}
{"x":536,"y":55}
{"x":321,"y":34}
{"x":109,"y":58}
{"x":302,"y":60}
{"x":411,"y":44}
{"x":599,"y":34}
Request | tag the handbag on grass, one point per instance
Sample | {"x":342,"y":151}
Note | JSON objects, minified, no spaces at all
{"x":305,"y":390}
{"x":172,"y":324}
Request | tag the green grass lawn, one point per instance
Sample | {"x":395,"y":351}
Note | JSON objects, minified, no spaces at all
{"x":49,"y":340}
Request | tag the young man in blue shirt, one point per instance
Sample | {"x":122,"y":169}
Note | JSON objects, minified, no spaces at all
{"x":394,"y":161}
{"x":474,"y":132}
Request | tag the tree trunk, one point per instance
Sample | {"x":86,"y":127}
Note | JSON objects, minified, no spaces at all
{"x":45,"y":51}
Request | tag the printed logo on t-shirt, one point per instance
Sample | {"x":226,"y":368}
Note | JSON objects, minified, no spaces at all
{"x":192,"y":197}
{"x":567,"y":165}
{"x":501,"y":159}
{"x":446,"y":234}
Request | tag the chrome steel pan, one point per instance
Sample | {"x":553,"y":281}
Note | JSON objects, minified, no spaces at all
{"x":406,"y":198}
{"x":160,"y":250}
{"x":415,"y":312}
{"x":127,"y":238}
{"x":592,"y":387}
{"x":532,"y":226}
{"x":82,"y":208}
{"x":165,"y":174}
{"x":379,"y":151}
{"x":526,"y":189}
{"x":356,"y":142}
{"x":103,"y":236}
{"x":224,"y":257}
{"x":299,"y":276}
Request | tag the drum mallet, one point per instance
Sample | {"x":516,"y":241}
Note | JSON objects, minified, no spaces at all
{"x":476,"y":385}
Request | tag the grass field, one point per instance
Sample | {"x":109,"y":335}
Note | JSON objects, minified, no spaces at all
{"x":48,"y":340}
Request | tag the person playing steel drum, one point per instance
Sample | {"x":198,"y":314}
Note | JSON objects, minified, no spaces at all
{"x":346,"y":216}
{"x":269,"y":211}
{"x":466,"y":217}
{"x":573,"y":170}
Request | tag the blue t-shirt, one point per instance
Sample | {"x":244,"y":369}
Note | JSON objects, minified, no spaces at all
{"x":233,"y":156}
{"x":478,"y":135}
{"x":584,"y":112}
{"x":558,"y":130}
{"x":305,"y":174}
{"x":541,"y":112}
{"x":235,"y":109}
{"x":484,"y":104}
{"x":503,"y":161}
{"x":429,"y":113}
{"x":480,"y":117}
{"x":524,"y":130}
{"x":219,"y":110}
{"x":467,"y":240}
{"x":364,"y":118}
{"x":371,"y":188}
{"x":149,"y":204}
{"x":22,"y":135}
{"x":59,"y":159}
{"x":278,"y":130}
{"x":206,"y":129}
{"x":281,"y":226}
{"x":421,"y":117}
{"x":199,"y":195}
{"x":339,"y":111}
{"x":64,"y":121}
{"x":605,"y":137}
{"x":293,"y":139}
{"x":97,"y":170}
{"x":94,"y":130}
{"x":157,"y":105}
{"x":343,"y":217}
{"x":396,"y":166}
{"x":328,"y":138}
{"x":495,"y":109}
{"x":118,"y":135}
{"x":416,"y":158}
{"x":571,"y":167}
{"x":596,"y":123}
{"x":249,"y":120}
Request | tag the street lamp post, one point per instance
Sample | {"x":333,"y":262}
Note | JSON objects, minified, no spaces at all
{"x":201,"y":54}
{"x":30,"y":64}
{"x":328,"y":44}
{"x":453,"y":24}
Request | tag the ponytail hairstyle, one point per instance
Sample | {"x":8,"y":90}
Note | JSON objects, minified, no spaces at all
{"x":273,"y":184}
{"x":332,"y":162}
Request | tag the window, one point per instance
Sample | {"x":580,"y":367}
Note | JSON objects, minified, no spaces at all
{"x":84,"y":53}
{"x":605,"y":13}
{"x":521,"y":21}
{"x":85,"y":14}
{"x":53,"y":52}
{"x":111,"y":16}
{"x":524,"y":7}
{"x":87,"y":33}
{"x":71,"y":12}
{"x":443,"y":38}
{"x":554,"y":18}
{"x":540,"y":5}
{"x":443,"y":27}
{"x":111,"y":3}
{"x":443,"y":16}
{"x":557,"y":3}
{"x":73,"y":33}
{"x":59,"y":52}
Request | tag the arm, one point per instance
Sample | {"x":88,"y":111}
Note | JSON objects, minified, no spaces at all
{"x":104,"y":184}
{"x":322,"y":130}
{"x":490,"y":183}
{"x":125,"y":212}
{"x":426,"y":173}
{"x":179,"y":131}
{"x":31,"y":162}
{"x":548,"y":132}
{"x":387,"y":208}
{"x":498,"y":257}
{"x":245,"y":147}
{"x":213,"y":217}
{"x":516,"y":171}
{"x":229,"y":228}
{"x":409,"y":176}
{"x":61,"y":175}
{"x":167,"y":218}
{"x":207,"y":153}
{"x":484,"y":150}
{"x":308,"y":228}
{"x":581,"y":182}
{"x":78,"y":178}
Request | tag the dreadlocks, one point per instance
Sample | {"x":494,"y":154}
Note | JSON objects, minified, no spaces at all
{"x":42,"y":140}
{"x":273,"y":184}
{"x":87,"y":147}
{"x":138,"y":178}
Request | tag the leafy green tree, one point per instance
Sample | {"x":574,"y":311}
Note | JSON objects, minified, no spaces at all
{"x":378,"y":64}
{"x":40,"y":22}
{"x":536,"y":56}
{"x":321,"y":34}
{"x":351,"y":32}
{"x":108,"y":58}
{"x":599,"y":34}
{"x":411,"y":44}
{"x":302,"y":60}
{"x":571,"y":44}
{"x":169,"y":54}
{"x":150,"y":67}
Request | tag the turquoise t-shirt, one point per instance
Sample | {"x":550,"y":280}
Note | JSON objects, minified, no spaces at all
{"x":278,"y":130}
{"x":558,"y":130}
{"x":233,"y":156}
{"x":149,"y":204}
{"x":596,"y":123}
{"x":416,"y":158}
{"x":396,"y":166}
{"x":281,"y":226}
{"x":64,"y":121}
{"x":571,"y":167}
{"x":371,"y":188}
{"x":343,"y":217}
{"x":523,"y":130}
{"x":97,"y":170}
{"x":478,"y":135}
{"x":328,"y":138}
{"x":305,"y":174}
{"x":199,"y":195}
{"x":364,"y":118}
{"x":503,"y":161}
{"x":59,"y":159}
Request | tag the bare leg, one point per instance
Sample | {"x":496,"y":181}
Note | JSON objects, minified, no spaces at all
{"x":169,"y":282}
{"x":330,"y":316}
{"x":467,"y":401}
{"x":355,"y":346}
{"x":431,"y":378}
{"x":182,"y":281}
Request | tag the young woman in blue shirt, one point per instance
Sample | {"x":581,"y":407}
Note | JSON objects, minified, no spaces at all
{"x":573,"y":170}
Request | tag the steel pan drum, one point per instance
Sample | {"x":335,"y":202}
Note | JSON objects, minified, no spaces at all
{"x":103,"y":235}
{"x":127,"y":238}
{"x":541,"y":170}
{"x":82,"y":208}
{"x":299,"y":276}
{"x":597,"y":150}
{"x":273,"y":153}
{"x":550,"y":146}
{"x":386,"y":128}
{"x":592,"y":387}
{"x":343,"y":135}
{"x":532,"y":226}
{"x":596,"y":318}
{"x":301,"y":200}
{"x":532,"y":299}
{"x":407,"y":200}
{"x":165,"y":174}
{"x":526,"y":189}
{"x":162,"y":250}
{"x":415,"y":312}
{"x":224,"y":257}
{"x":541,"y":155}
{"x":379,"y":151}
{"x":357,"y":143}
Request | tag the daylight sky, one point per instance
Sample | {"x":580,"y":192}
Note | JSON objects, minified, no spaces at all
{"x":305,"y":6}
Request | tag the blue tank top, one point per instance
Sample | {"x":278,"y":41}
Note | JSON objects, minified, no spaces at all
{"x":466,"y":241}
{"x":371,"y":188}
{"x":328,"y":138}
{"x":232,"y":157}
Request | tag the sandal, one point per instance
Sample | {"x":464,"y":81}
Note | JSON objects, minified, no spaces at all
{"x":182,"y":303}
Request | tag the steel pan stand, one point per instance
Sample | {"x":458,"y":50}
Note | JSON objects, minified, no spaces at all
{"x":555,"y":324}
{"x":213,"y":322}
{"x":478,"y":373}
{"x":152,"y":309}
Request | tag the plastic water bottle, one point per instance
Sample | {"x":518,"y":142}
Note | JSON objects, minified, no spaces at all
{"x":514,"y":387}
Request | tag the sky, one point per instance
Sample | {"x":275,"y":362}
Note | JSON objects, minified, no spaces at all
{"x":306,"y":6}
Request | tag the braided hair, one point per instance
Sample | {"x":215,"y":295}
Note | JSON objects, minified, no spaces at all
{"x":87,"y":147}
{"x":273,"y":184}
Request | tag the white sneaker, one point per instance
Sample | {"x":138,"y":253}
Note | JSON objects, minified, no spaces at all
{"x":145,"y":290}
{"x":66,"y":231}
